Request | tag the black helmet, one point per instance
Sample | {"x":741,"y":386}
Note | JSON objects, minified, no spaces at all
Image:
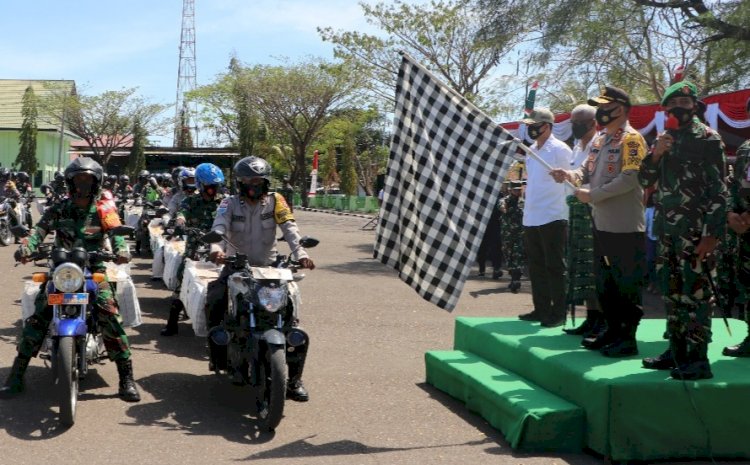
{"x":248,"y":168}
{"x":124,"y":179}
{"x":176,"y":174}
{"x":22,"y":176}
{"x":59,"y":176}
{"x":84,"y":165}
{"x":4,"y":174}
{"x":143,"y":175}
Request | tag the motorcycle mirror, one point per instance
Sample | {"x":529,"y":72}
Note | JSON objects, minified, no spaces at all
{"x":308,"y":242}
{"x":212,"y":237}
{"x":162,"y":211}
{"x":20,"y":230}
{"x":123,"y":230}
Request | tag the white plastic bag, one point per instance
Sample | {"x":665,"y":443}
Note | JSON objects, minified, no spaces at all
{"x":30,"y":291}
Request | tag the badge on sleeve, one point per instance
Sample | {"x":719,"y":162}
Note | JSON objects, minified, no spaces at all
{"x":633,"y":151}
{"x":223,"y":206}
{"x":281,"y":210}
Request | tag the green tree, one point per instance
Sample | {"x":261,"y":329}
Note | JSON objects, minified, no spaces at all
{"x":348,"y":173}
{"x":106,"y":121}
{"x":443,"y":35}
{"x":294,"y":102}
{"x":26,"y":159}
{"x":185,"y":139}
{"x":584,"y":44}
{"x":137,"y":159}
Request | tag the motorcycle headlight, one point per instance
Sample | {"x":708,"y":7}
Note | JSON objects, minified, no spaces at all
{"x":272,"y":298}
{"x":68,"y":277}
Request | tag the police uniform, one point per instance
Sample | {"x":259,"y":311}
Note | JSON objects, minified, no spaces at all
{"x":690,"y":201}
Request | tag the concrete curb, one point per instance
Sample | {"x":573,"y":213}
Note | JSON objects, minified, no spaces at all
{"x":334,"y":212}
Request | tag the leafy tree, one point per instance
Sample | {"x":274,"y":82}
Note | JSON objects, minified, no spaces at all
{"x":294,"y":102}
{"x":106,"y":121}
{"x":185,"y":139}
{"x":137,"y":158}
{"x":726,"y":20}
{"x":348,"y":183}
{"x":442,"y":35}
{"x":26,"y":159}
{"x":590,"y":43}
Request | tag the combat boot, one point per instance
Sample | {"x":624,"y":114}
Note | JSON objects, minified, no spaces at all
{"x":128,"y":390}
{"x":14,"y":383}
{"x":626,"y":345}
{"x":587,"y":325}
{"x":663,"y":361}
{"x":515,"y":280}
{"x":740,"y":350}
{"x":695,"y":366}
{"x":175,"y":309}
{"x":295,"y":390}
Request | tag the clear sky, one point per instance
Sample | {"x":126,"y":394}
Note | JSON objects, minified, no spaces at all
{"x":109,"y":45}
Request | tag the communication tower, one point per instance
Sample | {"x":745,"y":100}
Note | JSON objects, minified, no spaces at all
{"x":185,"y":78}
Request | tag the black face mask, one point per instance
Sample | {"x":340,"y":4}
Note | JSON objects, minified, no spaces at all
{"x":604,"y":117}
{"x":535,"y":132}
{"x":83,"y":190}
{"x":683,"y":115}
{"x":252,"y":191}
{"x":580,"y":129}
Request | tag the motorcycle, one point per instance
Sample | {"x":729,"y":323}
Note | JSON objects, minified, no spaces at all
{"x":259,"y":330}
{"x":74,"y":341}
{"x":151,"y":211}
{"x":9,"y":217}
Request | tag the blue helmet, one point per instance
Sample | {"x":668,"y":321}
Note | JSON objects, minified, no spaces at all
{"x":208,"y":174}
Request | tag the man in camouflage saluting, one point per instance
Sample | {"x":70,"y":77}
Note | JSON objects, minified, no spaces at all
{"x":738,"y":220}
{"x":687,"y":167}
{"x":197,"y":211}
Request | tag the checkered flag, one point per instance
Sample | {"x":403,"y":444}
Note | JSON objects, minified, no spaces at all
{"x":447,"y":162}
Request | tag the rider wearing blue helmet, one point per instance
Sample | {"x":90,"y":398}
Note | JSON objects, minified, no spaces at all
{"x":196,"y":211}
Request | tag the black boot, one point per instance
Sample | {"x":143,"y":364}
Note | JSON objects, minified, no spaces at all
{"x":664,"y":361}
{"x":515,"y":280}
{"x":14,"y":383}
{"x":587,"y":325}
{"x":611,"y":334}
{"x":128,"y":389}
{"x":626,"y":345}
{"x":740,"y":350}
{"x":295,"y":390}
{"x":696,"y":366}
{"x":174,"y":315}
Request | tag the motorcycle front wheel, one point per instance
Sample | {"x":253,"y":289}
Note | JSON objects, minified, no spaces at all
{"x":6,"y":237}
{"x":67,"y":379}
{"x":272,"y":388}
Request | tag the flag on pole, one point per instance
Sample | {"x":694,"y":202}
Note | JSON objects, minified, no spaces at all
{"x":528,"y":106}
{"x":314,"y":176}
{"x":447,"y":163}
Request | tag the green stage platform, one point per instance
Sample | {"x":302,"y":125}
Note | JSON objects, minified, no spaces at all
{"x":545,"y":392}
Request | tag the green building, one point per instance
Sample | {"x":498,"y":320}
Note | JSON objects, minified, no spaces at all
{"x":48,"y":135}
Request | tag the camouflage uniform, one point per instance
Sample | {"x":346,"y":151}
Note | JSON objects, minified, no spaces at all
{"x":728,"y":262}
{"x":581,"y":286}
{"x":197,"y":213}
{"x":511,"y":232}
{"x":739,"y":202}
{"x":690,"y":201}
{"x":76,"y":227}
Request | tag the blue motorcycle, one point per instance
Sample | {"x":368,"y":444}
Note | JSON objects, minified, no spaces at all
{"x":74,"y":341}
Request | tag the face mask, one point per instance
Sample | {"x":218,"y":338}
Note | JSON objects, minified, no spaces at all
{"x":83,"y":190}
{"x":683,"y":115}
{"x":535,"y":132}
{"x":252,"y":191}
{"x":604,"y":117}
{"x":580,"y":129}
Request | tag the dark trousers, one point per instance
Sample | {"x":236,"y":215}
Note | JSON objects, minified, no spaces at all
{"x":545,"y":253}
{"x":619,"y":270}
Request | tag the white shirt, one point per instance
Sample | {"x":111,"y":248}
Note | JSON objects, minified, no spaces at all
{"x":545,"y":198}
{"x":580,"y":153}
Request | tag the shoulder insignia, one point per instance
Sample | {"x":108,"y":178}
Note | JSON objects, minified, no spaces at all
{"x":281,"y":210}
{"x":634,"y":151}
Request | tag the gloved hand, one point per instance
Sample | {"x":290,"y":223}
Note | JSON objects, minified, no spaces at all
{"x":307,"y":263}
{"x":217,"y":257}
{"x":22,"y":254}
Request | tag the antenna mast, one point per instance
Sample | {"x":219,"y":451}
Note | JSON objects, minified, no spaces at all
{"x":185,"y":78}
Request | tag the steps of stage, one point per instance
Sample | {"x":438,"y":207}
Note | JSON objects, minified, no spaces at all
{"x":529,"y":417}
{"x":630,"y":413}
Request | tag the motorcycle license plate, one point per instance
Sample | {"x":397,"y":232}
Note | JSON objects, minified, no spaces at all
{"x":68,"y":299}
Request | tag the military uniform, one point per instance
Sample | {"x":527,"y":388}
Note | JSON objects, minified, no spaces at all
{"x":511,"y":237}
{"x":76,"y":227}
{"x":739,"y":202}
{"x":581,"y":287}
{"x":198,"y":213}
{"x":690,"y":201}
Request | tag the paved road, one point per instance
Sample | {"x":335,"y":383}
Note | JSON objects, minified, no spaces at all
{"x":369,"y":402}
